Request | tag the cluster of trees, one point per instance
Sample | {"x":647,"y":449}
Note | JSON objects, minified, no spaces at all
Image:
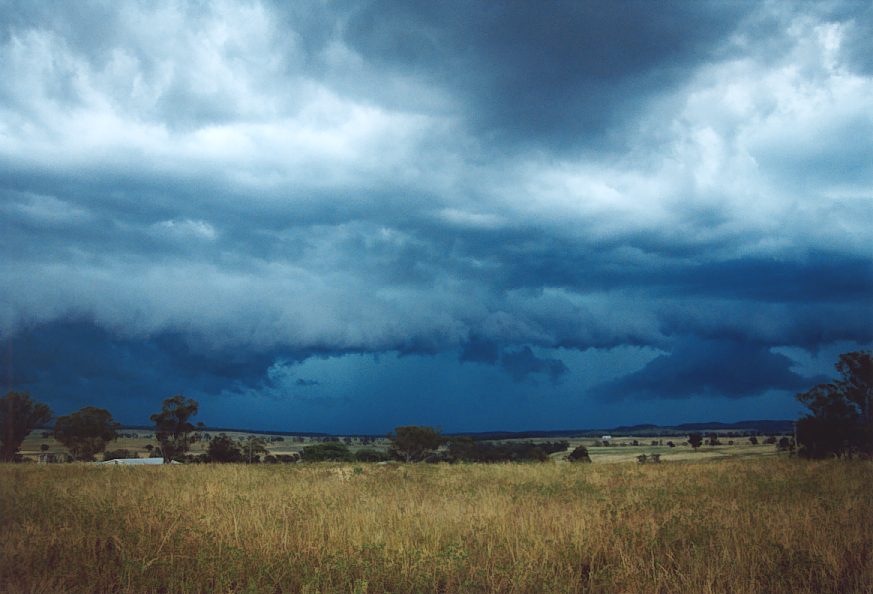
{"x":87,"y":432}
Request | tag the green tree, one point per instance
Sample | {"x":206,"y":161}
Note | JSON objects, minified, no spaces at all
{"x":223,"y":449}
{"x":19,"y":415}
{"x":252,"y":446}
{"x":173,"y":430}
{"x":695,"y":439}
{"x":86,"y":432}
{"x":840,"y":421}
{"x":413,"y":443}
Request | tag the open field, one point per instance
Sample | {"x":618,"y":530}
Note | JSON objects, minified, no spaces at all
{"x":764,"y":524}
{"x":621,"y":449}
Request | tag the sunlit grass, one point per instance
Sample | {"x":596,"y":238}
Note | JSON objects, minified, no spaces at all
{"x":758,"y":525}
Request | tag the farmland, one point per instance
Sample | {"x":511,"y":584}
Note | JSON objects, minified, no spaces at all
{"x":621,"y":449}
{"x":703,"y":522}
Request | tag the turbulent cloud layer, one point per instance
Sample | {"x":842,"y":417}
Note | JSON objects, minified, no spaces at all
{"x":191,"y":195}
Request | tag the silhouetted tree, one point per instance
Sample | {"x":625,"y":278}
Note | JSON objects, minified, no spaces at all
{"x":413,"y":443}
{"x":840,"y":420}
{"x":19,"y":415}
{"x":86,"y":432}
{"x":173,"y":430}
{"x":223,"y":449}
{"x":695,"y":440}
{"x":753,"y":440}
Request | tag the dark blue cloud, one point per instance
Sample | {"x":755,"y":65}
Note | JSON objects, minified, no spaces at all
{"x":708,"y":368}
{"x":523,"y":363}
{"x":566,"y":73}
{"x":510,"y":198}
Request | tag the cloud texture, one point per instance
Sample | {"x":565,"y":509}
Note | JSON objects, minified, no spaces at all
{"x":191,"y":195}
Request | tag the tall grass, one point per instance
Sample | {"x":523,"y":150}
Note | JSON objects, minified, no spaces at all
{"x":767,"y":525}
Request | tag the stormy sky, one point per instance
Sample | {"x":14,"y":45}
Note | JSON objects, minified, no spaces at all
{"x":347,"y":216}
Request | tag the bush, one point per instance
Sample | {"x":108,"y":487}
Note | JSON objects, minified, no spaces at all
{"x":371,"y":455}
{"x":464,"y":449}
{"x":328,"y":451}
{"x":580,"y":454}
{"x":118,"y":454}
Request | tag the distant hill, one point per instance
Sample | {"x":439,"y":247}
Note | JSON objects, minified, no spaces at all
{"x":765,"y":426}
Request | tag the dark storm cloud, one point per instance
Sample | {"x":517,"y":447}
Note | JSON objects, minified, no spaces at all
{"x":77,"y":362}
{"x":708,"y":368}
{"x":564,"y":73}
{"x":222,"y":188}
{"x":521,"y":364}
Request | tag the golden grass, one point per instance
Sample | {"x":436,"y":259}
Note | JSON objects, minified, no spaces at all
{"x":756,"y":525}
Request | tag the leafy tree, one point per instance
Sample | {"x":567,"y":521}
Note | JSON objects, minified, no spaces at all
{"x":695,"y":439}
{"x":753,"y":440}
{"x":223,"y":449}
{"x":414,"y":443}
{"x":86,"y":432}
{"x":252,"y":446}
{"x":173,"y":429}
{"x":712,"y":440}
{"x":841,"y":419}
{"x":19,"y":415}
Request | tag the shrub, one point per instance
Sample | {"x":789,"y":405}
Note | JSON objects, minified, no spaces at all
{"x":118,"y":454}
{"x":371,"y":455}
{"x":580,"y":454}
{"x":328,"y":451}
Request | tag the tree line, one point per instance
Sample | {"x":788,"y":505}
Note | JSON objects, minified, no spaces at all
{"x":839,"y":423}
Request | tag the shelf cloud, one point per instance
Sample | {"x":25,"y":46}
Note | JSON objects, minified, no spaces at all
{"x":191,"y":195}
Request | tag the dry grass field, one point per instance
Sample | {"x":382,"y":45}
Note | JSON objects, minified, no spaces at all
{"x":764,"y":524}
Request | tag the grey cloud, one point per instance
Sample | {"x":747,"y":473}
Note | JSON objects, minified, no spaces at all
{"x":710,"y":368}
{"x":431,"y":179}
{"x":565,"y":73}
{"x":521,"y":364}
